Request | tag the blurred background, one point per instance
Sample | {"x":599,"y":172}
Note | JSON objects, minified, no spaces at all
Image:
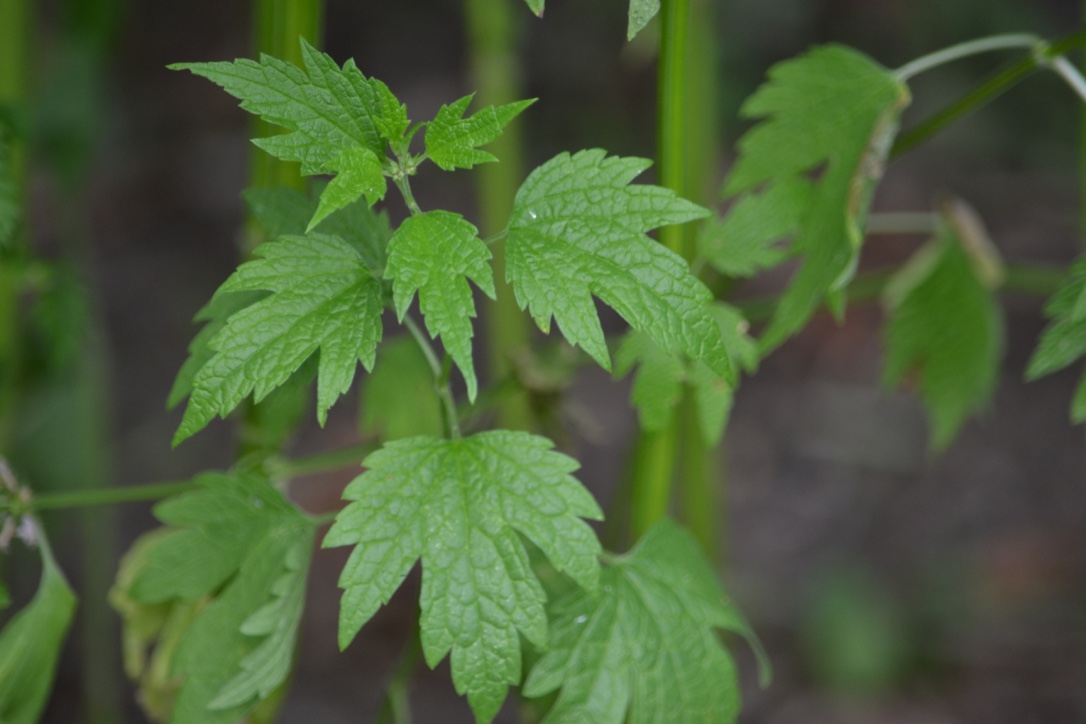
{"x":889,"y":584}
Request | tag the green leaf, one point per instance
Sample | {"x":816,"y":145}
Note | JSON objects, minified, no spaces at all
{"x":240,"y":542}
{"x":399,"y":397}
{"x":459,"y":505}
{"x":326,"y":108}
{"x":833,"y":111}
{"x":1064,"y":340}
{"x":323,"y":297}
{"x":30,"y":645}
{"x":944,"y":323}
{"x":358,"y":173}
{"x":641,"y":12}
{"x":578,"y":230}
{"x":658,"y":384}
{"x":452,"y":141}
{"x":745,"y":240}
{"x":536,"y":6}
{"x":644,"y":649}
{"x":435,"y":253}
{"x":285,"y":212}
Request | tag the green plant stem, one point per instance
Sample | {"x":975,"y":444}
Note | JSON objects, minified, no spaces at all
{"x":108,"y":496}
{"x":965,"y":50}
{"x":652,"y":471}
{"x":404,"y":186}
{"x":441,"y":371}
{"x":322,"y":462}
{"x":987,"y":91}
{"x":397,"y":705}
{"x":495,"y":70}
{"x":1031,"y":279}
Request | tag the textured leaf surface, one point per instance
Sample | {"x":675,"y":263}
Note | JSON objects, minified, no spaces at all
{"x":578,"y":230}
{"x":452,"y":141}
{"x":30,"y":646}
{"x":358,"y":173}
{"x":658,"y":383}
{"x":399,"y":398}
{"x":435,"y":253}
{"x":1064,"y":340}
{"x":238,"y":541}
{"x":641,"y":12}
{"x":832,"y":111}
{"x":323,"y":297}
{"x":459,"y":505}
{"x":644,"y":649}
{"x":745,"y":241}
{"x":283,"y":212}
{"x":327,"y":108}
{"x":945,"y":324}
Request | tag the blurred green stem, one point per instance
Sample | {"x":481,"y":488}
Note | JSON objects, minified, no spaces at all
{"x":495,"y":70}
{"x":686,"y":150}
{"x":987,"y":91}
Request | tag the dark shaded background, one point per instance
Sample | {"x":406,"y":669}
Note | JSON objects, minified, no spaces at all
{"x":889,"y":585}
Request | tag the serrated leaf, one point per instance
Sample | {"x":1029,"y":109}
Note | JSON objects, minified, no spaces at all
{"x":658,"y":383}
{"x":238,"y":541}
{"x":578,"y":229}
{"x":282,"y":212}
{"x":435,"y":253}
{"x":833,"y":111}
{"x":459,"y":505}
{"x":641,"y":12}
{"x":358,"y":173}
{"x":644,"y":649}
{"x":1063,"y":341}
{"x":399,"y":397}
{"x":452,"y":141}
{"x":948,"y":327}
{"x":323,"y":298}
{"x":745,"y":240}
{"x":327,"y":108}
{"x":30,"y":646}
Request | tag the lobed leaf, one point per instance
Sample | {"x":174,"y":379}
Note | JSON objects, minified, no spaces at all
{"x":322,"y":298}
{"x":1063,"y":341}
{"x":831,"y":112}
{"x":326,"y":108}
{"x":578,"y":229}
{"x":644,"y":649}
{"x":358,"y":173}
{"x":241,"y":551}
{"x":945,"y":323}
{"x":435,"y":253}
{"x":452,"y":141}
{"x":658,"y":383}
{"x":30,"y":646}
{"x":460,"y":506}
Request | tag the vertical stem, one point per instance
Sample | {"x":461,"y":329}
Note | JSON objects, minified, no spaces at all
{"x":495,"y":71}
{"x":278,"y":26}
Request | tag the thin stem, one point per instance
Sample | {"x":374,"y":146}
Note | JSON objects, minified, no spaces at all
{"x":1070,"y":74}
{"x":923,"y":223}
{"x":986,"y":92}
{"x":441,"y":378}
{"x":965,"y":50}
{"x":108,"y":496}
{"x":322,"y":462}
{"x":405,"y":190}
{"x":1022,"y":278}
